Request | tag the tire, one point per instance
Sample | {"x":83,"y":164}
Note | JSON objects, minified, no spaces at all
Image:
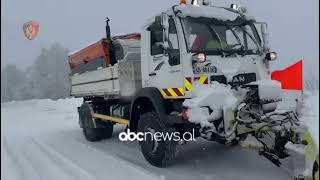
{"x":93,"y":134}
{"x":107,"y":130}
{"x":158,"y":153}
{"x":315,"y":171}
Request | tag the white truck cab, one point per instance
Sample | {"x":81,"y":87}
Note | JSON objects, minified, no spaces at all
{"x":190,"y":44}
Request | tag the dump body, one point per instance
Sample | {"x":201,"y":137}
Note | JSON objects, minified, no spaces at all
{"x":96,"y":74}
{"x":94,"y":54}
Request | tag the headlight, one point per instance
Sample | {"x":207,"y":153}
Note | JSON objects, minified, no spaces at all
{"x":234,"y":6}
{"x":271,"y":56}
{"x":199,"y":58}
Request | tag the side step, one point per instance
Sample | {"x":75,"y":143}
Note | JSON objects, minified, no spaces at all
{"x":110,"y":118}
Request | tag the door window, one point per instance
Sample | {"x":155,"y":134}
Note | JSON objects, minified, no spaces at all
{"x":173,"y":51}
{"x":156,"y":40}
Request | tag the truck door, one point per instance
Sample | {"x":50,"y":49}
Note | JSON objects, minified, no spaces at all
{"x":165,"y":70}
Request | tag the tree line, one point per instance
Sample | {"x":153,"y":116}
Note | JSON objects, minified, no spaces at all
{"x":46,"y":78}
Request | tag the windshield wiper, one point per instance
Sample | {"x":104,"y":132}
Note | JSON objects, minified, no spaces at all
{"x":213,"y":32}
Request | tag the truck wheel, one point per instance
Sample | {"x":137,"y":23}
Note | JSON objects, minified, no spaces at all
{"x":315,"y":171}
{"x":107,"y":130}
{"x":158,"y":153}
{"x":93,"y":134}
{"x":90,"y":132}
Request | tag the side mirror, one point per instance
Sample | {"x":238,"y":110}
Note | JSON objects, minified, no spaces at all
{"x":271,"y":56}
{"x":158,"y":20}
{"x":157,"y":25}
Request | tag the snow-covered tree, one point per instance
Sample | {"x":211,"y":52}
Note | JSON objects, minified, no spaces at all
{"x":12,"y":83}
{"x":46,"y":78}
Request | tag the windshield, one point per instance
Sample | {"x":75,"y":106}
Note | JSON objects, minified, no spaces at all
{"x":206,"y":35}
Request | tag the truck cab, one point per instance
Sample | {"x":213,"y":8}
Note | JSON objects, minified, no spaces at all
{"x":191,"y":44}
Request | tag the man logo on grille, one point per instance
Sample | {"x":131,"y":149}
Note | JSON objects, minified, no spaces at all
{"x":238,"y":79}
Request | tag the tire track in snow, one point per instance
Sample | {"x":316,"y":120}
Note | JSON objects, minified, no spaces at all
{"x":97,"y":162}
{"x":121,"y":156}
{"x":115,"y":145}
{"x":66,"y":165}
{"x":215,"y":162}
{"x":124,"y":152}
{"x":45,"y":166}
{"x":23,"y":168}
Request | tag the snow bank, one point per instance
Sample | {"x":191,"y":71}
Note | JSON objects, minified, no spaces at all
{"x":216,"y":96}
{"x":63,"y":105}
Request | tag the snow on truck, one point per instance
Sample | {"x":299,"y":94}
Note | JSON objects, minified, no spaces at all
{"x":194,"y":68}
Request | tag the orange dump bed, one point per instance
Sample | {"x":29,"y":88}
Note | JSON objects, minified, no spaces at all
{"x":98,"y":50}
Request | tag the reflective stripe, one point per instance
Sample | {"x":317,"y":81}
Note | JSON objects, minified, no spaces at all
{"x":181,"y":91}
{"x":188,"y":83}
{"x":201,"y":80}
{"x":172,"y":92}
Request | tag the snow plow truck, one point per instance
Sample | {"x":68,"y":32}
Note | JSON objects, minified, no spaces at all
{"x":148,"y":80}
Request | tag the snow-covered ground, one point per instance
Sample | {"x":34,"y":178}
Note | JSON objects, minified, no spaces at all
{"x":41,"y":139}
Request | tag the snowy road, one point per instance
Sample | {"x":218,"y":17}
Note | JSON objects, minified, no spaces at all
{"x":41,"y":139}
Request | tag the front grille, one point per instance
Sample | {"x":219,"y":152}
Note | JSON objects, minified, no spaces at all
{"x":220,"y":79}
{"x":237,"y":80}
{"x":242,"y":79}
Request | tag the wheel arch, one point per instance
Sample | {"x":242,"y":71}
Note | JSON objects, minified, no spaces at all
{"x":146,"y":100}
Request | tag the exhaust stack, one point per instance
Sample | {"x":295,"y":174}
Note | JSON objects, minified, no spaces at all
{"x":108,"y":35}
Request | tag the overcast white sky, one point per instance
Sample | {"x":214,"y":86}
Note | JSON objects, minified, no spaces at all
{"x":293,"y":25}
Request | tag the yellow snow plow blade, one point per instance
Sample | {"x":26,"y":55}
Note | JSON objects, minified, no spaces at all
{"x":311,"y":155}
{"x":110,"y":118}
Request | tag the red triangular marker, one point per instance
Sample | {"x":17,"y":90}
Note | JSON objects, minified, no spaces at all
{"x":291,"y":78}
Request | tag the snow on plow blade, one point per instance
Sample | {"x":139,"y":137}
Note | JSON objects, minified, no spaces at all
{"x":252,"y":119}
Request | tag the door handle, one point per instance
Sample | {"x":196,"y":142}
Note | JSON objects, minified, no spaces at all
{"x":152,"y":74}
